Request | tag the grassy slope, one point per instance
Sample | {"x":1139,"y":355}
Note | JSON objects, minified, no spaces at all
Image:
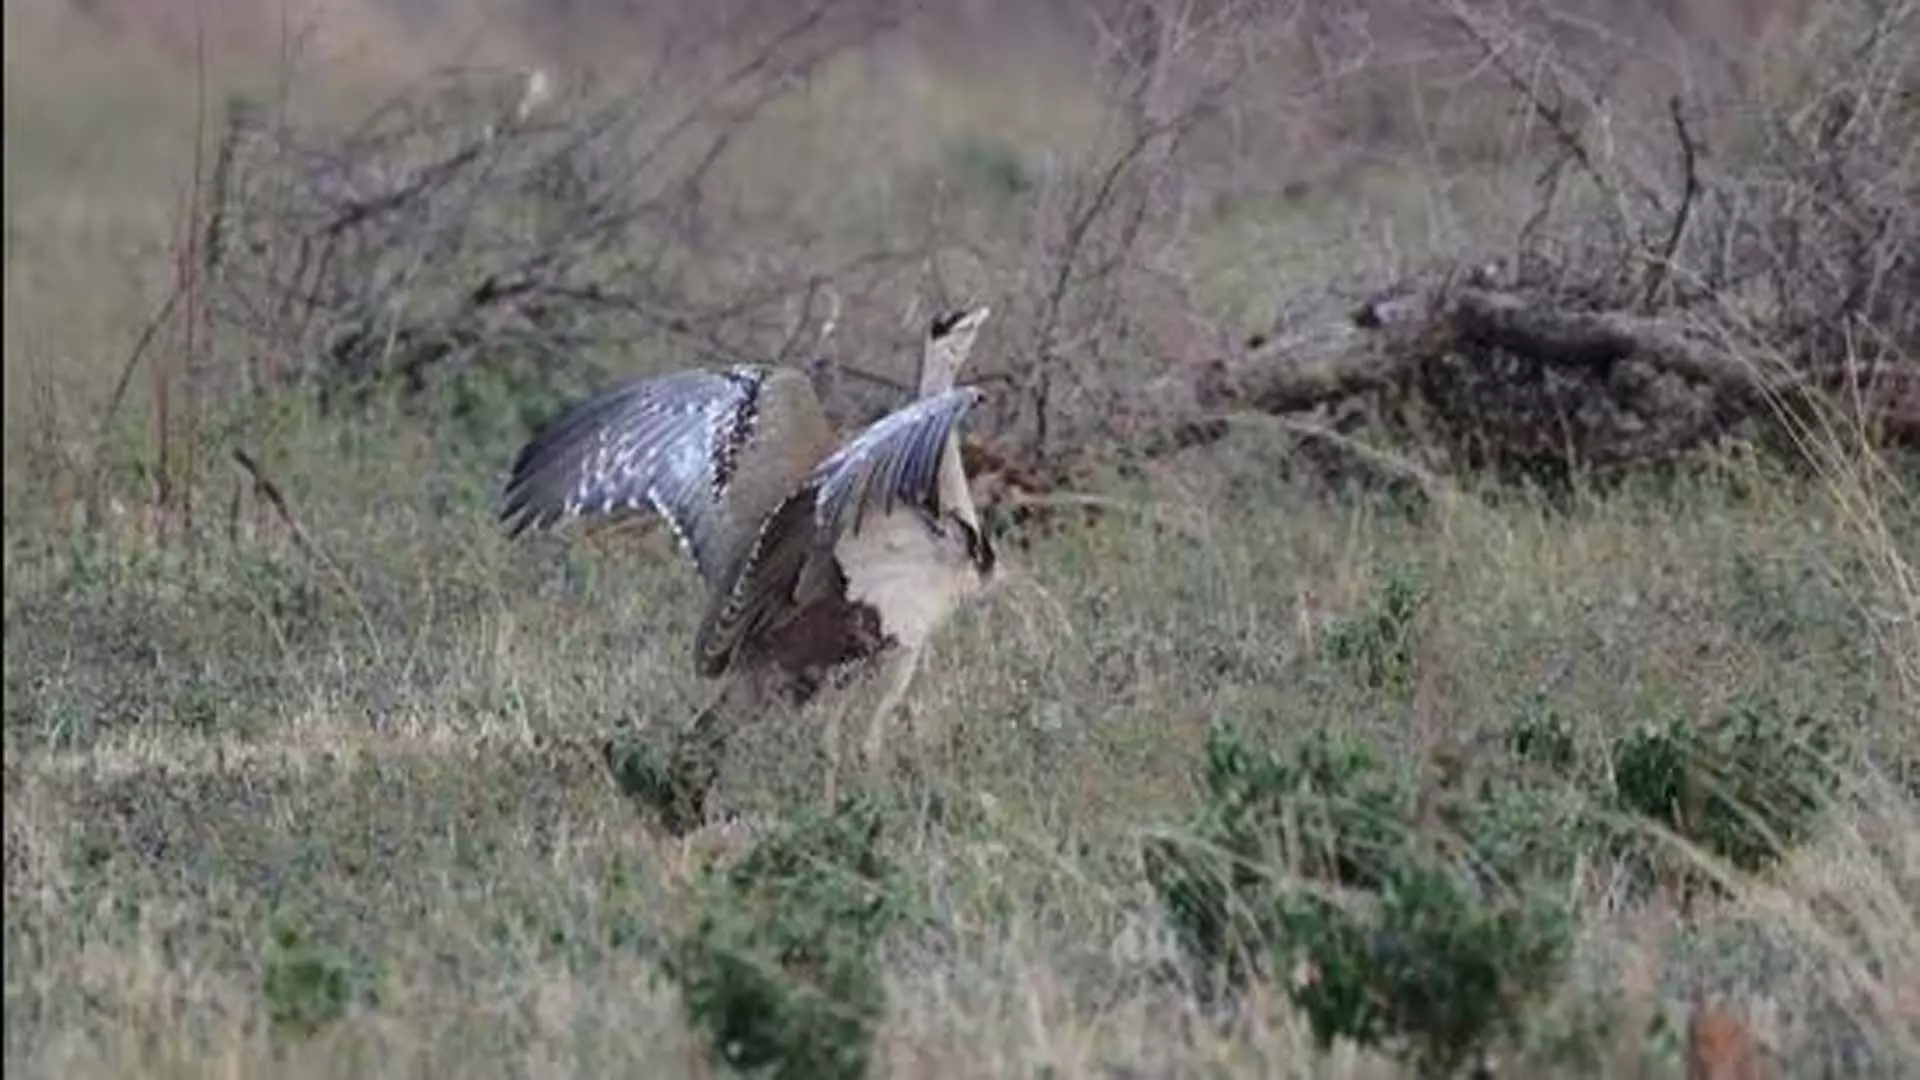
{"x":237,"y":783}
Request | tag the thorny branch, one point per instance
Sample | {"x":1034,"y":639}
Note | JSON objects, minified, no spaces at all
{"x":440,"y":235}
{"x":444,"y":232}
{"x":1689,"y":166}
{"x":1093,"y":241}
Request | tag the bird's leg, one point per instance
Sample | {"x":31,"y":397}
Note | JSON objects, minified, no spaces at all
{"x":832,"y":739}
{"x":896,"y":676}
{"x":835,"y":708}
{"x":930,"y":734}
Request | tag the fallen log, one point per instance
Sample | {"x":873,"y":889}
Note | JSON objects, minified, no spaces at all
{"x":1651,"y":385}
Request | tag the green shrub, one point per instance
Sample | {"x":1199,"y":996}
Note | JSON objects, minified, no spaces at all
{"x":308,"y":984}
{"x":1302,"y":866}
{"x":779,"y":969}
{"x":1377,"y":644}
{"x":1541,"y":736}
{"x":1437,"y":967}
{"x":670,"y":782}
{"x":641,"y":773}
{"x":1745,"y":787}
{"x":1330,"y":804}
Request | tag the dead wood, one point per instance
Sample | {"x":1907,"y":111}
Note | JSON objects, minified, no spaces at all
{"x":1505,"y":377}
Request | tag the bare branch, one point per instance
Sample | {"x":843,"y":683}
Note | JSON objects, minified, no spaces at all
{"x":1689,"y":161}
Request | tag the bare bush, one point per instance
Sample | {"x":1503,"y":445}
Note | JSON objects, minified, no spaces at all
{"x":515,"y":224}
{"x":1103,"y":305}
{"x":1698,"y":264}
{"x":1666,"y":292}
{"x":482,"y":221}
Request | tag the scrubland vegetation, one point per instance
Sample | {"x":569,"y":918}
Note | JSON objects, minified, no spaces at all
{"x":1458,"y":462}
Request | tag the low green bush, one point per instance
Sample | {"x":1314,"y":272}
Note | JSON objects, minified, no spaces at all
{"x":779,"y":969}
{"x":1301,"y":869}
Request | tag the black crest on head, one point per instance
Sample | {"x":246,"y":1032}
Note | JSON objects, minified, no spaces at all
{"x":945,"y":322}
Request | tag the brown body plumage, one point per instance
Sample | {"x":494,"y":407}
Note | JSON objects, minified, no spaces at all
{"x":824,"y":562}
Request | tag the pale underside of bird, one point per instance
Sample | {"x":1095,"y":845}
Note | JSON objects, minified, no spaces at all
{"x":826,"y":563}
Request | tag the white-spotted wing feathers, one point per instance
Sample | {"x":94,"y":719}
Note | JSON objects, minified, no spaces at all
{"x":663,"y":445}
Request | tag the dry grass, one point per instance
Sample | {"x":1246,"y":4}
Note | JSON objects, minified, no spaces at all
{"x":214,"y":739}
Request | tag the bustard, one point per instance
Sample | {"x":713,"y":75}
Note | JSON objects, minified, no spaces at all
{"x":823,"y":562}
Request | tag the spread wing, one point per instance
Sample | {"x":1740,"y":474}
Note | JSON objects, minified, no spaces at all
{"x":710,"y":452}
{"x":894,"y":461}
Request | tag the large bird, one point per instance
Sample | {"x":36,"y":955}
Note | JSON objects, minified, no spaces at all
{"x":825,"y":562}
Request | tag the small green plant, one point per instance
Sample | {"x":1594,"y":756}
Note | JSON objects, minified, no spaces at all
{"x":1437,"y":966}
{"x":196,"y":708}
{"x":1329,"y":801}
{"x":1377,"y":644}
{"x":671,"y":783}
{"x":779,"y":969}
{"x":641,"y":775}
{"x":1302,"y":866}
{"x":1746,"y":787}
{"x":1541,"y":736}
{"x":309,"y":985}
{"x":284,"y":595}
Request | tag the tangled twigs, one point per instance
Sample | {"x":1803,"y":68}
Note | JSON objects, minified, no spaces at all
{"x":452,"y":231}
{"x":1689,"y":165}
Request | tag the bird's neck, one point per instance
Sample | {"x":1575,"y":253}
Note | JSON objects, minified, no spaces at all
{"x":938,"y":366}
{"x":956,"y":497}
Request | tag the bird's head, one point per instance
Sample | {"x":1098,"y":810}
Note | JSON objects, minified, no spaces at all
{"x":958,"y":320}
{"x":949,"y":339}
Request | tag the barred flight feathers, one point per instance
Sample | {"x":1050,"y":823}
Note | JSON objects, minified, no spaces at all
{"x":672,"y":445}
{"x":895,"y":459}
